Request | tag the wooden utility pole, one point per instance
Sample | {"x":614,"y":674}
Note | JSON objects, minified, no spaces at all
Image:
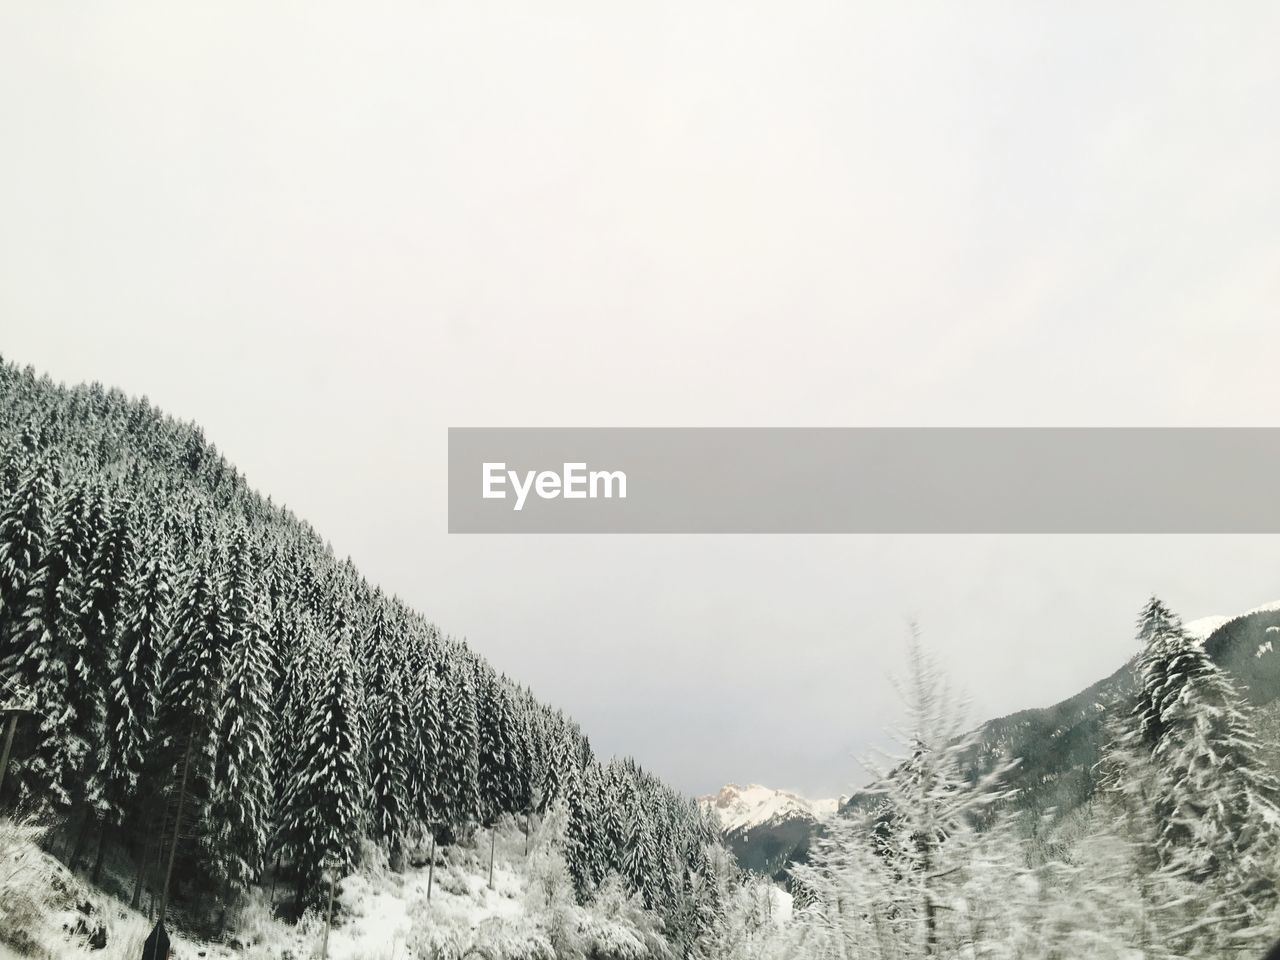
{"x":493,"y":840}
{"x":275,"y":874}
{"x":328,"y":916}
{"x":431,"y":866}
{"x":177,"y":827}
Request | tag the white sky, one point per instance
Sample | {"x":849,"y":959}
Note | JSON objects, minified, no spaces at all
{"x":327,"y":232}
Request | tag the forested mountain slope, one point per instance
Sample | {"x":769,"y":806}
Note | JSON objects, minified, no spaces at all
{"x":186,"y":639}
{"x":1060,"y":745}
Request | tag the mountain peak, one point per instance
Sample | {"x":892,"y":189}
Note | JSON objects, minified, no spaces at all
{"x":744,"y":807}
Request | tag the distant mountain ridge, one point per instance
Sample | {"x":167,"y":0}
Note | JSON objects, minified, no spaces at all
{"x":742,"y":808}
{"x":1059,"y":745}
{"x":766,"y":828}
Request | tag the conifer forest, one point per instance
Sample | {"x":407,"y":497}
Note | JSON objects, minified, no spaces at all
{"x":219,"y":723}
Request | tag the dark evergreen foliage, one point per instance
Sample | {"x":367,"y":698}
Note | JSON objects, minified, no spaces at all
{"x":171,"y":620}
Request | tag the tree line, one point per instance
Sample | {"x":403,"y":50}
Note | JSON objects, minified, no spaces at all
{"x":189,"y":642}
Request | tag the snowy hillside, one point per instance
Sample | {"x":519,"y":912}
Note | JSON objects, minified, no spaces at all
{"x":743,"y":808}
{"x":233,"y":700}
{"x":525,"y":909}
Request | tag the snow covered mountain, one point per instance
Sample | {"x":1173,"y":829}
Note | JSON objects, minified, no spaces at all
{"x":743,"y":808}
{"x":766,"y":828}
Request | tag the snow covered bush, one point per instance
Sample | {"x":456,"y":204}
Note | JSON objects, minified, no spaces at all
{"x":620,"y":928}
{"x":434,"y":937}
{"x":24,"y":884}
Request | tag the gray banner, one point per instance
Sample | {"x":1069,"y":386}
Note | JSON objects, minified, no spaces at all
{"x":864,"y":480}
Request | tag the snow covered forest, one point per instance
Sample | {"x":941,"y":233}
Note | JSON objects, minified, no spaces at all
{"x":201,"y":665}
{"x":188,"y":643}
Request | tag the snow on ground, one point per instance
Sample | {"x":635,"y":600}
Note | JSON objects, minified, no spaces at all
{"x":783,"y":906}
{"x":377,"y":910}
{"x":46,"y":911}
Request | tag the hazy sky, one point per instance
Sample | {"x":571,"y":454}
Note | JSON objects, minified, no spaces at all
{"x":327,"y":232}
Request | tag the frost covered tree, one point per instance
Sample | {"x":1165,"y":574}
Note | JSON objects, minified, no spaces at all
{"x":131,"y":704}
{"x":94,"y":666}
{"x":459,"y":762}
{"x":894,"y":872}
{"x":615,"y":803}
{"x":238,"y":810}
{"x":1160,"y":635}
{"x":189,"y":697}
{"x":47,"y":659}
{"x":495,"y":753}
{"x":23,"y":530}
{"x":639,"y":859}
{"x":388,"y":769}
{"x":696,"y":920}
{"x":153,"y":673}
{"x":1192,"y":751}
{"x":583,"y":845}
{"x":325,"y":802}
{"x":191,"y":671}
{"x":426,"y":783}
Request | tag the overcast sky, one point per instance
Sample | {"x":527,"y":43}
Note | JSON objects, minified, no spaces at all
{"x":327,"y":232}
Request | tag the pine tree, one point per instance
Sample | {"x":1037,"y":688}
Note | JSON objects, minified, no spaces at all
{"x":427,"y":785}
{"x":241,"y":791}
{"x":1217,"y":806}
{"x":579,"y":847}
{"x":1160,"y":634}
{"x":129,"y":707}
{"x":294,"y":637}
{"x":388,"y":770}
{"x":522,"y":755}
{"x":639,"y":858}
{"x":709,"y":905}
{"x":903,"y":864}
{"x":131,"y":701}
{"x":588,"y":830}
{"x":191,"y":672}
{"x":496,"y":759}
{"x":324,"y":815}
{"x":48,"y":657}
{"x":555,"y":768}
{"x":459,"y":762}
{"x":23,"y":532}
{"x":96,"y":640}
{"x":615,"y":801}
{"x":19,"y":456}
